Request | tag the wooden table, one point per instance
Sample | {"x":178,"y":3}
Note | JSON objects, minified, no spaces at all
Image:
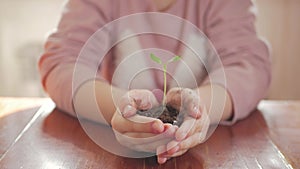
{"x":35,"y":138}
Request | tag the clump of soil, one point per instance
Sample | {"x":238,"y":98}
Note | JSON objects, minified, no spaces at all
{"x":167,"y":114}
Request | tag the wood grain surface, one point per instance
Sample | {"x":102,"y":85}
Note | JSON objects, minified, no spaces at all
{"x":38,"y":138}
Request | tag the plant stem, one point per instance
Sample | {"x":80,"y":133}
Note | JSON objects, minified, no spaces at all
{"x":165,"y":83}
{"x":158,"y":60}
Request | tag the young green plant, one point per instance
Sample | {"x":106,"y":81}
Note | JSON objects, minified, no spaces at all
{"x":164,"y":65}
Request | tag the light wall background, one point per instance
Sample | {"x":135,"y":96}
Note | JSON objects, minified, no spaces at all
{"x":279,"y":22}
{"x":24,"y":26}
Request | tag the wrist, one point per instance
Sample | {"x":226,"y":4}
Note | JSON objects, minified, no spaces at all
{"x":217,"y":100}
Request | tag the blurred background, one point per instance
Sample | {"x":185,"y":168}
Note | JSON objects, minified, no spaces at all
{"x":24,"y":26}
{"x":278,"y":21}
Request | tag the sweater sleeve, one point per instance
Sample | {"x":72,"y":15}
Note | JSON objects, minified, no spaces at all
{"x":80,"y":19}
{"x":245,"y":57}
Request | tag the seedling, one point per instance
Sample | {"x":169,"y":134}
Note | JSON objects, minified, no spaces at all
{"x":166,"y":113}
{"x":164,"y":66}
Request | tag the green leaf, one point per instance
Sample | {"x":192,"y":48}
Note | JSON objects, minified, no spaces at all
{"x":174,"y":59}
{"x":155,"y":58}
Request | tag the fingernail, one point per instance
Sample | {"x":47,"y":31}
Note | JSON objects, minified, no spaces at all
{"x":161,"y":160}
{"x":172,"y":147}
{"x":173,"y":150}
{"x":157,"y":127}
{"x":167,"y":126}
{"x":197,"y":113}
{"x":129,"y":111}
{"x":170,"y":132}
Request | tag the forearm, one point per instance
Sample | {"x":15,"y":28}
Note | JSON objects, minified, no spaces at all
{"x":215,"y":98}
{"x":96,"y":101}
{"x":217,"y":101}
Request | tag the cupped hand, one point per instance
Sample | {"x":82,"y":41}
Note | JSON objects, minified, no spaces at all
{"x":138,"y":132}
{"x":194,"y":128}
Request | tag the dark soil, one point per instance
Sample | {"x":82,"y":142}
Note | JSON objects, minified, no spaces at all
{"x":166,"y":114}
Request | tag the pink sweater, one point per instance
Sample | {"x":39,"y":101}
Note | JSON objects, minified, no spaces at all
{"x":229,"y":25}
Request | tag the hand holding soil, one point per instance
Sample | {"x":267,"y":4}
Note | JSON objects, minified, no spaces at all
{"x":194,"y":127}
{"x":137,"y":132}
{"x":143,"y":124}
{"x":179,"y":103}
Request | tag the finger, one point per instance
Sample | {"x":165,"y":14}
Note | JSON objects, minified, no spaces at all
{"x":136,"y":100}
{"x":186,"y":97}
{"x":144,"y":99}
{"x":150,"y":146}
{"x":129,"y":111}
{"x":142,"y":144}
{"x":162,"y":160}
{"x":138,"y":142}
{"x":175,"y":148}
{"x":191,"y":141}
{"x":137,"y":123}
{"x":148,"y":101}
{"x":205,"y":126}
{"x":174,"y":98}
{"x":169,"y":132}
{"x":161,"y":151}
{"x":194,"y":111}
{"x":167,"y":154}
{"x":184,"y":145}
{"x":191,"y":125}
{"x":140,"y":135}
{"x":126,"y":100}
{"x":188,"y":126}
{"x":172,"y":147}
{"x":191,"y":102}
{"x":179,"y":153}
